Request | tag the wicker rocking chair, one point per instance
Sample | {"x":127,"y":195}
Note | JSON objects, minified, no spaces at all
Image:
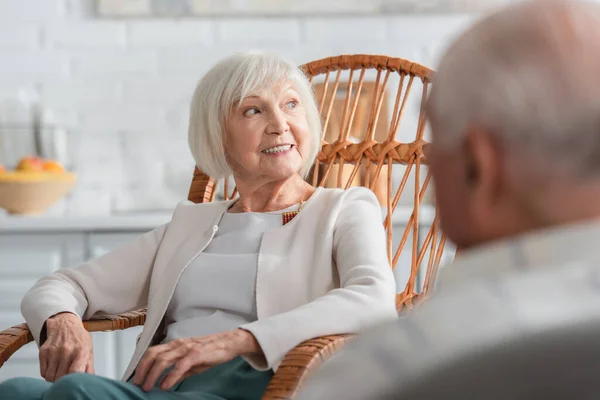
{"x":359,"y":147}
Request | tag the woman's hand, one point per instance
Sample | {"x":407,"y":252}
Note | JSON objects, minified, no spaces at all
{"x":67,"y":349}
{"x":191,"y":356}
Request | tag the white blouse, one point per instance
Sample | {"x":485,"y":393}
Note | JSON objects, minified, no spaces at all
{"x":216,"y":292}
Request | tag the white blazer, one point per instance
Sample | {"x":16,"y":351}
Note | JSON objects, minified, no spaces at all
{"x":325,"y":272}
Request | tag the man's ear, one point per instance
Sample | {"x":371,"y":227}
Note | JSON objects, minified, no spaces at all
{"x":483,"y":165}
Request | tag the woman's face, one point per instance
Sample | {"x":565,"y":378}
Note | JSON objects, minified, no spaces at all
{"x":267,"y":136}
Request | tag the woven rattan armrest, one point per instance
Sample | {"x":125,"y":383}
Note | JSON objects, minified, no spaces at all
{"x":12,"y":339}
{"x":300,"y":363}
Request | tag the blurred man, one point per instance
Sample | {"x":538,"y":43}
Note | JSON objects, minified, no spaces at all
{"x":515,"y":157}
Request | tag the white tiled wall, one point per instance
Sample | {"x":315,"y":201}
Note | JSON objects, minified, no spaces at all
{"x":123,"y":86}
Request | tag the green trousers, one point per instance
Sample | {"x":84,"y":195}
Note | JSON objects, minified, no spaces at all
{"x":234,"y":380}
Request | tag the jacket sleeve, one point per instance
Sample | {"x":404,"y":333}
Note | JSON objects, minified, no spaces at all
{"x":114,"y":283}
{"x":366,"y":295}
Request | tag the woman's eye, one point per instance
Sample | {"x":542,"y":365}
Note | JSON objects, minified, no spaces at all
{"x":251,"y":111}
{"x":291,"y":104}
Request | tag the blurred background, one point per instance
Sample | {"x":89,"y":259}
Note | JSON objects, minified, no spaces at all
{"x":113,"y":78}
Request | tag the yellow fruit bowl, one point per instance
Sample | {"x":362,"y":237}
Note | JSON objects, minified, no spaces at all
{"x":28,"y":192}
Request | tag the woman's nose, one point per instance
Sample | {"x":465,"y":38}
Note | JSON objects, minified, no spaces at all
{"x":278,"y":124}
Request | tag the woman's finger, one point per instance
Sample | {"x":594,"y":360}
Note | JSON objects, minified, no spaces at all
{"x":64,"y":363}
{"x":52,"y":367}
{"x":90,"y":364}
{"x":43,"y":356}
{"x":79,"y":364}
{"x":146,"y":363}
{"x":161,"y":363}
{"x":176,"y":374}
{"x":181,"y":370}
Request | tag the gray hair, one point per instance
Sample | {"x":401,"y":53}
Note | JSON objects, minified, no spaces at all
{"x":228,"y":83}
{"x":529,"y":75}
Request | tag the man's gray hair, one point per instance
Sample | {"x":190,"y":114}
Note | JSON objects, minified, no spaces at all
{"x":530,"y":76}
{"x":228,"y":83}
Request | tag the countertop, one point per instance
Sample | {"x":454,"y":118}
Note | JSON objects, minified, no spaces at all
{"x":114,"y":223}
{"x":135,"y":222}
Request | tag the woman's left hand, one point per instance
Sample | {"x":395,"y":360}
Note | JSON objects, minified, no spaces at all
{"x":191,"y":356}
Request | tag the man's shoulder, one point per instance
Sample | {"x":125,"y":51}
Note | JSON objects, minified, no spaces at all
{"x":490,"y":308}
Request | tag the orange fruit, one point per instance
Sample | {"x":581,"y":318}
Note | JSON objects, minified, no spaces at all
{"x":52,"y":166}
{"x":30,"y":164}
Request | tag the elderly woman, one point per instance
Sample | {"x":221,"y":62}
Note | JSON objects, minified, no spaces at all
{"x":230,"y":286}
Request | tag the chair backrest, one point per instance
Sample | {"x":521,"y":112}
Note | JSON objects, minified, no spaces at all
{"x":370,"y":139}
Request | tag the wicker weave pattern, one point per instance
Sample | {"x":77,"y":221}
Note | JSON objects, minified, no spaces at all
{"x":372,"y":159}
{"x":300,"y":363}
{"x":12,"y":339}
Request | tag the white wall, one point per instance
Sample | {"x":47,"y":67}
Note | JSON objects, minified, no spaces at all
{"x":123,"y":86}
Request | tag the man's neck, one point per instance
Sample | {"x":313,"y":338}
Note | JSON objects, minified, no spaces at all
{"x":568,"y":204}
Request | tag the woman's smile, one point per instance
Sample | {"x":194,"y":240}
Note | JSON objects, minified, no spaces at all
{"x":278,"y":150}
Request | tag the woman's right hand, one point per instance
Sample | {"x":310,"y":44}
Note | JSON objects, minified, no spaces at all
{"x":67,"y":349}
